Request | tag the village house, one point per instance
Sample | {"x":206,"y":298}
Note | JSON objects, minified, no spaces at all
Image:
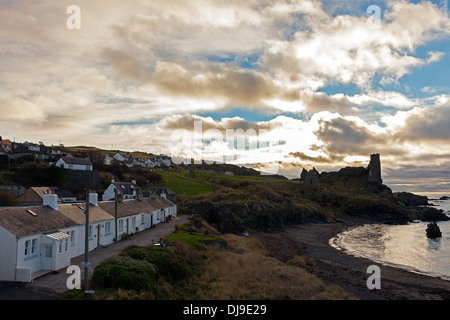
{"x":121,"y":157}
{"x":129,"y":190}
{"x":138,"y":214}
{"x":163,"y":192}
{"x":35,"y":240}
{"x":35,"y":195}
{"x":74,"y":164}
{"x":5,"y":146}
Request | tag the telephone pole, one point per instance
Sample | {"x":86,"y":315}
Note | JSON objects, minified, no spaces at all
{"x":86,"y":244}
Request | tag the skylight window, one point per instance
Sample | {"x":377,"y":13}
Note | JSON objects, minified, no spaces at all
{"x":32,"y":213}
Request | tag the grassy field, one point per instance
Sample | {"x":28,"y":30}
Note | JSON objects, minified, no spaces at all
{"x":199,"y":183}
{"x":178,"y":184}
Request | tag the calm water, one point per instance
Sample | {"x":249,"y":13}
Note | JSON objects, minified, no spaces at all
{"x":404,"y":246}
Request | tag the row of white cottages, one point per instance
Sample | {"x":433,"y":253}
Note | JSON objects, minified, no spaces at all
{"x":38,"y":238}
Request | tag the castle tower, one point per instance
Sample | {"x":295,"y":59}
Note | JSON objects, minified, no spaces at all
{"x":375,"y":169}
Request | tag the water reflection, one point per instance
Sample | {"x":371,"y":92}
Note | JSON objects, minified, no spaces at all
{"x":403,"y":246}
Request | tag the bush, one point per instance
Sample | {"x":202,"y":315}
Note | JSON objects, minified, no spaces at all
{"x":168,"y":264}
{"x":127,"y":273}
{"x":8,"y":200}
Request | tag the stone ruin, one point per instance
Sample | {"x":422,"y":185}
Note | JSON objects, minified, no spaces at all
{"x":373,"y":172}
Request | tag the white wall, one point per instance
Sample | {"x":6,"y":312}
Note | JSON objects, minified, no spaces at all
{"x":109,"y":194}
{"x":7,"y":255}
{"x":80,"y":167}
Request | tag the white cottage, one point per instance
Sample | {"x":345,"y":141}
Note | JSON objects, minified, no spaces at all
{"x":74,"y":164}
{"x":33,"y":239}
{"x":129,"y":190}
{"x":136,"y":215}
{"x":38,"y":239}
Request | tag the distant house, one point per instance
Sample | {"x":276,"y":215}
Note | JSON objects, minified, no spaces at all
{"x":107,"y":160}
{"x":129,"y":190}
{"x":65,"y":195}
{"x":35,"y":195}
{"x":74,"y":164}
{"x":161,"y":161}
{"x":5,"y":146}
{"x":163,"y":192}
{"x":120,"y":157}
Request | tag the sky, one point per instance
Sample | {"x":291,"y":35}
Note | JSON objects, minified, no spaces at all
{"x":280,"y":85}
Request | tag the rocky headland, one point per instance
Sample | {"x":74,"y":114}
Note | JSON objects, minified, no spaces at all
{"x":242,"y":206}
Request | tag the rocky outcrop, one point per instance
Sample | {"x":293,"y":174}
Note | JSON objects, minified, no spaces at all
{"x":433,"y":231}
{"x":238,"y":217}
{"x":411,"y":199}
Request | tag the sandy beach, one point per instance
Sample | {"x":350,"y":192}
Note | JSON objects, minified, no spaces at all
{"x":350,"y":273}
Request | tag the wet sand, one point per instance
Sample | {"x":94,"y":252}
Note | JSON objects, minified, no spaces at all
{"x":335,"y":267}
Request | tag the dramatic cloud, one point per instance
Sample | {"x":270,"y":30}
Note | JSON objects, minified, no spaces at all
{"x":326,"y":86}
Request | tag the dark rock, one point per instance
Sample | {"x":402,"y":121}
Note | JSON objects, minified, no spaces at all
{"x":444,"y":198}
{"x":433,"y":231}
{"x":411,"y":199}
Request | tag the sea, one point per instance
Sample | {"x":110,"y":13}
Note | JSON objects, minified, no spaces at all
{"x":402,"y":246}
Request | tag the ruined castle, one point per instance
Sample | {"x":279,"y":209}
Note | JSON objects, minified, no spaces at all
{"x":372,"y":172}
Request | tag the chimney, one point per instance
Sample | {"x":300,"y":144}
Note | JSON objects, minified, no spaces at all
{"x":93,"y":199}
{"x":163,"y":195}
{"x":51,"y":200}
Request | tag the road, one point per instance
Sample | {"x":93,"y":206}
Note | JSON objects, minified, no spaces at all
{"x":52,"y":285}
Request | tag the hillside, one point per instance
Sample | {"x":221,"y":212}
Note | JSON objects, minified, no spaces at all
{"x":241,"y":205}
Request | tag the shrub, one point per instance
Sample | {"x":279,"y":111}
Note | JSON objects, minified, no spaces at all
{"x":127,"y":273}
{"x":8,"y":200}
{"x":168,"y":264}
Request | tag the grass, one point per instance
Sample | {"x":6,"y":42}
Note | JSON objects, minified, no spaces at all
{"x":190,"y":236}
{"x":177,"y":184}
{"x":242,"y":271}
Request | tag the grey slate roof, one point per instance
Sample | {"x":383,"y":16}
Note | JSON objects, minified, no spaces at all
{"x":20,"y":222}
{"x":71,"y":160}
{"x":132,"y":207}
{"x":126,"y":187}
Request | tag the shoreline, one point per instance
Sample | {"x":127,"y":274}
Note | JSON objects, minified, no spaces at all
{"x":335,"y":267}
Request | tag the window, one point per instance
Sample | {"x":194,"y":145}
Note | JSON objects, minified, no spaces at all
{"x":142,"y":218}
{"x":90,"y":232}
{"x":33,"y":246}
{"x":133,"y":221}
{"x":120,"y":225}
{"x":66,"y":244}
{"x":27,"y":247}
{"x":72,"y":237}
{"x":60,"y":246}
{"x":30,"y":247}
{"x":107,"y":227}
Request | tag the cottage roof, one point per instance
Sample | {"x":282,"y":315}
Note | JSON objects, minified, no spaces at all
{"x":71,"y":160}
{"x":132,"y":207}
{"x":126,"y":187}
{"x":76,"y":213}
{"x":64,"y":193}
{"x":159,"y":189}
{"x":22,"y":221}
{"x":40,"y":191}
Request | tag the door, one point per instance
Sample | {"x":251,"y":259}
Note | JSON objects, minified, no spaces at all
{"x":151,"y":221}
{"x":48,"y":257}
{"x":98,"y":235}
